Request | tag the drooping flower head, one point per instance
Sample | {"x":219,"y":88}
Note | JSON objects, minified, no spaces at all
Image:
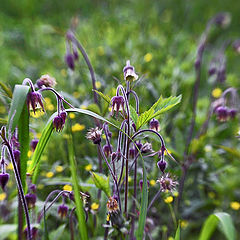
{"x":4,"y":177}
{"x":154,"y":125}
{"x":62,"y":210}
{"x":162,"y":165}
{"x":31,"y":200}
{"x":107,"y":149}
{"x":167,"y":183}
{"x":69,"y":59}
{"x":117,"y":103}
{"x":94,"y":134}
{"x":34,"y":101}
{"x":129,"y":72}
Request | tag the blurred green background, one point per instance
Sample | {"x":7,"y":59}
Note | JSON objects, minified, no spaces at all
{"x":160,"y":38}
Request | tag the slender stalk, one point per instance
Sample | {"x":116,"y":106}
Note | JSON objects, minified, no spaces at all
{"x":154,"y":199}
{"x":20,"y":189}
{"x":71,"y":223}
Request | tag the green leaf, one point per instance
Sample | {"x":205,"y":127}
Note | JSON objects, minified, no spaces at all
{"x":57,"y":234}
{"x":6,"y":230}
{"x":234,"y":152}
{"x":225,"y":223}
{"x":101,"y":182}
{"x":94,"y":108}
{"x":45,"y":136}
{"x":178,"y":233}
{"x":133,"y":114}
{"x":105,"y":97}
{"x":162,"y":105}
{"x":23,"y":136}
{"x":6,"y":89}
{"x":18,"y":101}
{"x":3,"y":121}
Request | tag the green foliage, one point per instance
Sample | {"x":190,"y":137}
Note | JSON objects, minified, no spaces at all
{"x":101,"y":182}
{"x":221,"y":219}
{"x":6,"y":230}
{"x":178,"y":233}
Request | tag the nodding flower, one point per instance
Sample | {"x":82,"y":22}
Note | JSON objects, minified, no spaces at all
{"x":129,"y":72}
{"x":154,"y":125}
{"x":107,"y":149}
{"x":59,"y":121}
{"x":167,"y":183}
{"x":62,"y":210}
{"x":236,"y":45}
{"x":34,"y":101}
{"x":46,"y":80}
{"x":69,"y":59}
{"x":31,"y":200}
{"x":94,"y":134}
{"x":117,"y":104}
{"x":162,"y":164}
{"x":4,"y":177}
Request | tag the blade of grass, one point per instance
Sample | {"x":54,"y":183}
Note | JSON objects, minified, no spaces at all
{"x":79,"y":204}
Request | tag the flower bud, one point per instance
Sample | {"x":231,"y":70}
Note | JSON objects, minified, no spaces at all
{"x":115,"y":156}
{"x":16,"y":154}
{"x":107,"y":150}
{"x":141,"y":184}
{"x":4,"y":177}
{"x":62,"y":210}
{"x":222,"y":19}
{"x":33,"y":144}
{"x":69,"y":59}
{"x":58,"y":123}
{"x":236,"y":46}
{"x":34,"y":232}
{"x":162,"y":164}
{"x":31,"y":200}
{"x":129,"y":72}
{"x":94,"y":134}
{"x":222,"y":113}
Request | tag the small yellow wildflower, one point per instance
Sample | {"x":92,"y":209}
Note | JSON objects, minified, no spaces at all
{"x":10,"y":166}
{"x":98,"y":84}
{"x":129,"y":179}
{"x":168,"y":199}
{"x":94,"y":206}
{"x":49,"y":174}
{"x":37,"y":114}
{"x":184,"y":223}
{"x":235,"y":205}
{"x":63,"y":72}
{"x":88,"y":167}
{"x":39,"y":135}
{"x":72,"y":115}
{"x":83,"y":106}
{"x":77,"y":127}
{"x":152,"y":182}
{"x":108,"y":218}
{"x":67,"y":188}
{"x":3,"y":196}
{"x":29,"y":153}
{"x":100,"y":50}
{"x":175,"y":194}
{"x":47,"y":100}
{"x":50,"y":107}
{"x":59,"y":169}
{"x":217,"y":92}
{"x":76,"y":94}
{"x":148,"y":57}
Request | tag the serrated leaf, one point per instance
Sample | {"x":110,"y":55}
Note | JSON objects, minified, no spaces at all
{"x":101,"y":182}
{"x":225,"y":223}
{"x":18,"y":101}
{"x":105,"y":97}
{"x":144,"y":118}
{"x":133,"y":114}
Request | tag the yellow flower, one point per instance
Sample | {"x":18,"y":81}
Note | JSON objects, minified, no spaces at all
{"x":29,"y":153}
{"x":148,"y":57}
{"x":3,"y":196}
{"x":95,"y":206}
{"x":50,"y":107}
{"x":47,"y":100}
{"x":100,"y":50}
{"x":175,"y":194}
{"x":170,"y":238}
{"x":98,"y":84}
{"x":217,"y":92}
{"x":83,"y":106}
{"x":76,"y":94}
{"x":77,"y":127}
{"x":108,"y":217}
{"x":168,"y":199}
{"x":235,"y":205}
{"x":72,"y":115}
{"x":152,"y":182}
{"x":67,"y":188}
{"x":59,"y":168}
{"x":129,"y":179}
{"x":37,"y":114}
{"x":184,"y":223}
{"x":88,"y":167}
{"x":39,"y":135}
{"x":49,"y":174}
{"x":10,"y":166}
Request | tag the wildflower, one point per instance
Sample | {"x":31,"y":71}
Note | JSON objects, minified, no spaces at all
{"x":94,"y":134}
{"x":112,"y":205}
{"x":129,"y":72}
{"x":3,"y":196}
{"x":98,"y":84}
{"x":33,"y":144}
{"x":168,"y":199}
{"x":32,"y":188}
{"x":34,"y":101}
{"x":59,"y":168}
{"x":16,"y":154}
{"x":49,"y":174}
{"x":235,"y":205}
{"x":147,"y":147}
{"x":212,"y":69}
{"x":222,"y":20}
{"x":236,"y":45}
{"x":31,"y":200}
{"x":162,"y":164}
{"x":4,"y":177}
{"x":148,"y":57}
{"x":141,"y":184}
{"x":34,"y":232}
{"x":232,"y":113}
{"x":88,"y":167}
{"x":222,"y":113}
{"x":46,"y":80}
{"x":116,"y":156}
{"x":94,"y":206}
{"x":62,"y":210}
{"x":184,"y":223}
{"x":152,"y":182}
{"x":154,"y":125}
{"x":107,"y":149}
{"x":149,"y":225}
{"x":67,"y":188}
{"x":72,"y":115}
{"x":117,"y":104}
{"x":59,"y":121}
{"x":217,"y":92}
{"x":69,"y":59}
{"x":167,"y":183}
{"x":77,"y":127}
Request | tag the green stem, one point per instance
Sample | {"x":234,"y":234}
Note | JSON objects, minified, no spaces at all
{"x":79,"y":204}
{"x":173,"y":215}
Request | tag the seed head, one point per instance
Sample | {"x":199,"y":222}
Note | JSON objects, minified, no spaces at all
{"x":112,"y":205}
{"x":94,"y":134}
{"x":167,"y":183}
{"x":147,"y":147}
{"x":46,"y":80}
{"x":4,"y":177}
